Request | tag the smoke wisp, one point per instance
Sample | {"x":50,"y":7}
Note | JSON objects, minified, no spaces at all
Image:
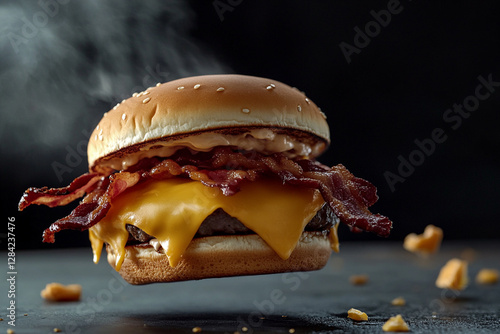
{"x":66,"y":62}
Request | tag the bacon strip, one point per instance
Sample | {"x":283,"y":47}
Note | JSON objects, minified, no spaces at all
{"x":59,"y":196}
{"x":94,"y":206}
{"x":348,"y":196}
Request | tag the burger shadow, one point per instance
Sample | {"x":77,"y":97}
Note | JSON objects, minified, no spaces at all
{"x":229,"y":322}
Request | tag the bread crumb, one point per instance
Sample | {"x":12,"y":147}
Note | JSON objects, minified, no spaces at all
{"x":357,"y":315}
{"x":61,"y":293}
{"x":244,"y":329}
{"x":398,"y":301}
{"x":487,"y":276}
{"x":453,"y":275}
{"x":426,"y":243}
{"x":291,"y":330}
{"x":57,"y":330}
{"x":358,"y":279}
{"x":196,"y":329}
{"x":396,"y":324}
{"x":10,"y":331}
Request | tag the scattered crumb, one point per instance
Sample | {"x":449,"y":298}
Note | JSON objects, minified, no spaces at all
{"x":291,"y":330}
{"x":196,"y":329}
{"x":357,"y":315}
{"x":396,"y":324}
{"x":244,"y":329}
{"x":426,"y":243}
{"x":1,"y":319}
{"x":398,"y":301}
{"x":453,"y":275}
{"x":58,"y":293}
{"x":10,"y":331}
{"x":25,"y":314}
{"x":284,"y":316}
{"x":57,"y":330}
{"x":487,"y":276}
{"x":358,"y":279}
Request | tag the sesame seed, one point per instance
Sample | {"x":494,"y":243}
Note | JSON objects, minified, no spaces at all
{"x":180,"y":87}
{"x":114,"y":108}
{"x":146,"y":100}
{"x":124,"y":116}
{"x":220,"y":89}
{"x":104,"y":114}
{"x":122,"y":101}
{"x":146,"y":92}
{"x":322,"y":114}
{"x":159,"y":83}
{"x":135,"y":94}
{"x":140,"y":94}
{"x":299,"y":107}
{"x":97,"y":127}
{"x":269,"y":87}
{"x":197,"y":86}
{"x":245,"y":110}
{"x":100,"y":133}
{"x":95,"y":137}
{"x":308,"y":101}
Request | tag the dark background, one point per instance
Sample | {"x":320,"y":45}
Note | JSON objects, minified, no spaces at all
{"x":64,"y":64}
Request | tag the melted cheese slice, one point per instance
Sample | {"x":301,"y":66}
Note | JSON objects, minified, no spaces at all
{"x":172,"y":211}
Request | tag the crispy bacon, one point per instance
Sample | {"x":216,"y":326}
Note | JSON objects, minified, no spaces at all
{"x":225,"y":168}
{"x":59,"y":196}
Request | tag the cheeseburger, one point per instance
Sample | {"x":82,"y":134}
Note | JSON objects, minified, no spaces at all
{"x":212,"y":176}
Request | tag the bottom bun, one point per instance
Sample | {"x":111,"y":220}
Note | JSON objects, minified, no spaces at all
{"x":221,"y":256}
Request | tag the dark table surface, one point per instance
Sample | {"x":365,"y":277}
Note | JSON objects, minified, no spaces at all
{"x":312,"y":302}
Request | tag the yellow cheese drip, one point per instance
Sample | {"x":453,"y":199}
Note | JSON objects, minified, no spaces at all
{"x":172,"y":210}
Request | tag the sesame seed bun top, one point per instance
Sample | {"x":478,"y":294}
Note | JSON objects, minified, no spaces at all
{"x":226,"y":105}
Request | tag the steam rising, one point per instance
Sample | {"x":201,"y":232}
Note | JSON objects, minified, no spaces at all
{"x":64,"y":63}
